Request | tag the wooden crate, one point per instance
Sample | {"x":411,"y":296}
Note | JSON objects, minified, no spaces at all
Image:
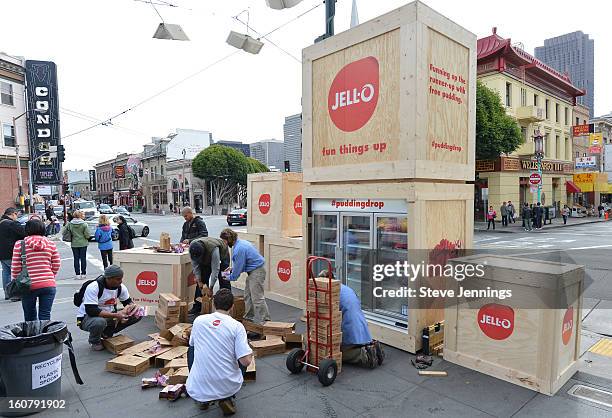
{"x":147,"y":274}
{"x":393,"y":98}
{"x":531,"y":339}
{"x":285,"y":270}
{"x":275,"y":204}
{"x":438,"y":214}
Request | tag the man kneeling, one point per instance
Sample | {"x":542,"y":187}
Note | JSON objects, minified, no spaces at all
{"x":97,"y":312}
{"x":220,"y":347}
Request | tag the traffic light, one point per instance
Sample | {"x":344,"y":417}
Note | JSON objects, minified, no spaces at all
{"x":287,"y":166}
{"x":61,"y":153}
{"x":140,"y":172}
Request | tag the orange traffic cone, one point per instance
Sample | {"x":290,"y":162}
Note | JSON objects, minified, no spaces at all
{"x":606,"y":215}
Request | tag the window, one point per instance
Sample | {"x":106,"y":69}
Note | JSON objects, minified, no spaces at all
{"x":523,"y":97}
{"x":524,"y":133}
{"x":8,"y":132}
{"x":6,"y":93}
{"x":577,"y":121}
{"x":568,"y":149}
{"x":536,"y":100}
{"x":547,"y":145}
{"x":557,"y":147}
{"x":557,"y":112}
{"x":508,"y":94}
{"x":577,"y":154}
{"x":546,"y":105}
{"x":566,"y":116}
{"x":162,"y":170}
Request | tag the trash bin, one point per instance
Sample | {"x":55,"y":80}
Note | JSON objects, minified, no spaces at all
{"x":31,"y":364}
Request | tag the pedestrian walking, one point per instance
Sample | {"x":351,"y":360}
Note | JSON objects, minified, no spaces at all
{"x":511,"y":212}
{"x":42,"y":261}
{"x":11,"y":231}
{"x":104,"y":238}
{"x":126,"y":234}
{"x":504,"y":214}
{"x":491,"y":215}
{"x":565,"y":212}
{"x":246,"y":258}
{"x":78,"y":234}
{"x":526,"y":215}
{"x":539,"y":212}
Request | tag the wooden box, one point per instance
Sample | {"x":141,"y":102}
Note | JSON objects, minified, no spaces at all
{"x":285,"y":270}
{"x":117,"y":343}
{"x":129,"y":365}
{"x":169,"y":305}
{"x":393,"y":98}
{"x":163,"y":322}
{"x":147,"y":274}
{"x":275,"y":204}
{"x":433,"y":216}
{"x":531,"y":339}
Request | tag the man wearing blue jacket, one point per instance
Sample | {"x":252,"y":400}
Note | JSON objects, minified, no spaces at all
{"x":357,"y":344}
{"x":246,"y":259}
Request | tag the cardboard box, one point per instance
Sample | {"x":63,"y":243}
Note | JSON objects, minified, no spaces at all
{"x":250,"y":375}
{"x":253,"y":327}
{"x":274,"y":338}
{"x":207,"y":304}
{"x":179,"y":376}
{"x":263,"y":348}
{"x":323,"y":337}
{"x":323,"y":297}
{"x":157,"y":337}
{"x":140,"y":347}
{"x":322,"y":308}
{"x":117,"y":343}
{"x":173,"y":392}
{"x":293,"y":341}
{"x":170,"y":305}
{"x":278,"y":328}
{"x":174,"y":364}
{"x":237,"y":310}
{"x":275,"y":204}
{"x":151,"y":355}
{"x":184,"y":311}
{"x":163,"y":322}
{"x":337,"y":356}
{"x":128,"y":365}
{"x":323,"y":285}
{"x":165,"y":358}
{"x":180,"y":340}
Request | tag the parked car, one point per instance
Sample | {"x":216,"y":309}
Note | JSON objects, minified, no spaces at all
{"x":58,"y":211}
{"x":140,"y":228}
{"x":88,"y":207}
{"x":105,"y":209}
{"x":237,"y":216}
{"x":39,"y":209}
{"x":121,"y":210}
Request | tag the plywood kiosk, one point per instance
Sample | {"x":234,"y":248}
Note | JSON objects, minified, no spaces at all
{"x":388,"y":144}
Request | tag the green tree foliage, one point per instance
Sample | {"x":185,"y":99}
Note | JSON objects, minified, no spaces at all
{"x":496,"y":132}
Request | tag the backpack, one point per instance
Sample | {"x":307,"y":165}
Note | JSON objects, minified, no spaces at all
{"x":67,"y":234}
{"x":77,"y":298}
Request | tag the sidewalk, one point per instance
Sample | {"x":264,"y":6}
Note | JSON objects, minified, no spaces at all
{"x":518,"y":225}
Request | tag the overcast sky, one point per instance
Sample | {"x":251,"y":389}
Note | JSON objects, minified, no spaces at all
{"x":107,"y":60}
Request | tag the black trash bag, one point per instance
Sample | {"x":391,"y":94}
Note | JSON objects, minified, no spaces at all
{"x":16,"y":337}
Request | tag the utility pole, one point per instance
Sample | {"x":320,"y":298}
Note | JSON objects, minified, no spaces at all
{"x":18,"y":162}
{"x":330,"y":13}
{"x":183,"y":186}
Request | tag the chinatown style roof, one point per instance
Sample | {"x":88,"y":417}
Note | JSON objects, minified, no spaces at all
{"x":494,"y":47}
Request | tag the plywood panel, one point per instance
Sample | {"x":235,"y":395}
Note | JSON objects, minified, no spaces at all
{"x":443,"y":223}
{"x":447,"y":99}
{"x":285,"y":266}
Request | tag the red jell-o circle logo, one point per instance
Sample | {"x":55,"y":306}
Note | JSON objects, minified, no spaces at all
{"x":568,"y":325}
{"x":146,"y":282}
{"x":264,"y":203}
{"x":284,"y":270}
{"x":297,"y":204}
{"x":216,"y":322}
{"x":496,"y":321}
{"x":353,"y":95}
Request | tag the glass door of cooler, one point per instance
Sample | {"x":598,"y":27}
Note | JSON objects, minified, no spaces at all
{"x":391,"y":245}
{"x":325,"y":240}
{"x":356,"y":245}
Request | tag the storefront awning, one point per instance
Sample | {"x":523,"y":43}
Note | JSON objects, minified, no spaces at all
{"x":571,"y":187}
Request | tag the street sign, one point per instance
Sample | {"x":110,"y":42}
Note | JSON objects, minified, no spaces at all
{"x":595,"y":139}
{"x":595,"y":150}
{"x":535,"y":179}
{"x":582,"y":130}
{"x":584,"y":162}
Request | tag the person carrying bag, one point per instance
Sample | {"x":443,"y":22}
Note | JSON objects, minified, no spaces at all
{"x":20,"y":286}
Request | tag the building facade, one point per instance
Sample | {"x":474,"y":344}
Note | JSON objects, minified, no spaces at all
{"x":104,"y":181}
{"x":573,"y":53}
{"x":540,"y":99}
{"x":269,"y":152}
{"x":12,"y":105}
{"x":78,"y":184}
{"x":154,"y":180}
{"x":243,"y":148}
{"x":191,"y":192}
{"x":292,"y":130}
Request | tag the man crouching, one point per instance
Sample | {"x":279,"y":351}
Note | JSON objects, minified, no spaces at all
{"x":219,"y":346}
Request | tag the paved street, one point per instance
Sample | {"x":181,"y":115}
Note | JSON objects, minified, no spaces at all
{"x":393,"y":390}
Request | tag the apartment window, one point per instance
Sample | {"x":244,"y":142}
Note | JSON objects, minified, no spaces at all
{"x":524,"y":133}
{"x":557,"y":112}
{"x":557,"y":147}
{"x":6,"y":93}
{"x":523,"y":97}
{"x":508,"y":94}
{"x":8,"y":132}
{"x":547,"y":145}
{"x":568,"y":149}
{"x":577,"y":154}
{"x":536,"y":100}
{"x":566,"y":116}
{"x":162,"y":170}
{"x":546,"y":105}
{"x":577,"y":121}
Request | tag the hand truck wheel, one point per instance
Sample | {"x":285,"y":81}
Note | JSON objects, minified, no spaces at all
{"x":328,"y":370}
{"x":294,"y":360}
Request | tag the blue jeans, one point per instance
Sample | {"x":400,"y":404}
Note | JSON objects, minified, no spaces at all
{"x":6,"y":274}
{"x":45,"y":297}
{"x":80,"y":260}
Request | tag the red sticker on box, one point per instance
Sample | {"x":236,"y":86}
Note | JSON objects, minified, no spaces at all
{"x":264,"y":203}
{"x":496,"y":321}
{"x":146,"y":282}
{"x":297,"y":204}
{"x":568,"y":325}
{"x":284,"y":270}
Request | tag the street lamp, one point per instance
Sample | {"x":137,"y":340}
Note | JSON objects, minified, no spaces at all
{"x":183,"y":183}
{"x":538,"y":140}
{"x":282,"y":4}
{"x":245,"y":42}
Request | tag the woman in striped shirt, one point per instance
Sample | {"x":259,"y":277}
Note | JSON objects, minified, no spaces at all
{"x":43,"y":263}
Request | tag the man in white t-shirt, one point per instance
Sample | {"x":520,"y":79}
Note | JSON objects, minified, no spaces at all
{"x":97,"y":312}
{"x":219,"y":345}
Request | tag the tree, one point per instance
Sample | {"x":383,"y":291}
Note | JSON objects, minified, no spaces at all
{"x":496,"y":132}
{"x":223,"y":168}
{"x":253,"y":166}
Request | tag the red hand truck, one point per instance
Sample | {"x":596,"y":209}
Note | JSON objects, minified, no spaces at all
{"x":326,"y":368}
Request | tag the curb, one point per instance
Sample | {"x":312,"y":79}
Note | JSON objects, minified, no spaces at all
{"x":547,"y":227}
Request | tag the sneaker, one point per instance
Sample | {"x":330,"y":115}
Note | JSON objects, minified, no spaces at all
{"x":227,"y":406}
{"x":380,"y":354}
{"x":203,"y":405}
{"x":370,"y":362}
{"x":96,"y":347}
